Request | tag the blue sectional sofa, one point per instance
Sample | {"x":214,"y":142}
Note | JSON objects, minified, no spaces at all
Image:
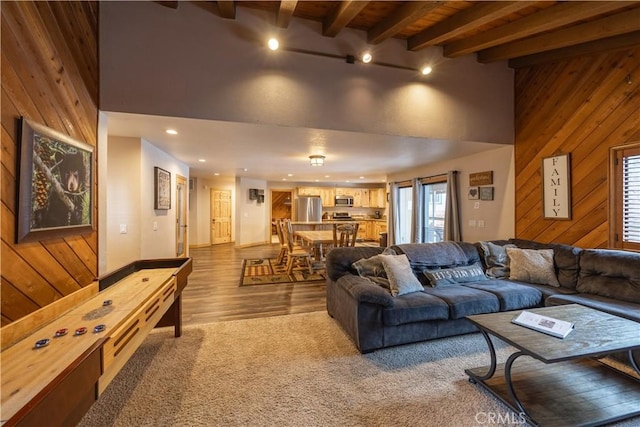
{"x":374,"y":318}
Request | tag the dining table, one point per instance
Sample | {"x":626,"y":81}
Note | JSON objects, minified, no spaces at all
{"x":315,"y":239}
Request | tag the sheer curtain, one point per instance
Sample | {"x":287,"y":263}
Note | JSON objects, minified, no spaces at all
{"x":417,"y":225}
{"x":392,"y":214}
{"x":452,"y":212}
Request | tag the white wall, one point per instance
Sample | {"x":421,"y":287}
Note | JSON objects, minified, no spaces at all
{"x":160,"y":242}
{"x":123,"y":191}
{"x":207,"y":67}
{"x":253,"y":224}
{"x":103,"y":139}
{"x":498,"y":214}
{"x":129,"y":188}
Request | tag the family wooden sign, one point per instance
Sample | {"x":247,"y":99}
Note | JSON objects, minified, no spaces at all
{"x":556,"y":187}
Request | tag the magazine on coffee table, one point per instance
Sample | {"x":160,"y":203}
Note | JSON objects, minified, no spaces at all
{"x":548,"y":325}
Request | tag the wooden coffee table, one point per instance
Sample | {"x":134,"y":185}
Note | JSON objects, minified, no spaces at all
{"x":561,"y":383}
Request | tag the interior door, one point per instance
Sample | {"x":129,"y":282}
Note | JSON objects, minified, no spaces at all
{"x":181,"y":216}
{"x":220,"y":216}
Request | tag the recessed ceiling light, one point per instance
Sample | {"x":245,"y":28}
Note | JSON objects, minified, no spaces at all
{"x":201,"y":160}
{"x":317,"y":180}
{"x":326,"y":176}
{"x":289,"y":174}
{"x":366,"y":57}
{"x":427,"y":70}
{"x":273,"y":43}
{"x":362,"y":177}
{"x":245,"y":169}
{"x":172,"y":131}
{"x":284,"y":179}
{"x":216,"y":174}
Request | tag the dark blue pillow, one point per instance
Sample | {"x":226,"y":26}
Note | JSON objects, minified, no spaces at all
{"x":455,"y":275}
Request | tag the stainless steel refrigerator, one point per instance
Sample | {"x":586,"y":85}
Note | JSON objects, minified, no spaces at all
{"x":309,"y":208}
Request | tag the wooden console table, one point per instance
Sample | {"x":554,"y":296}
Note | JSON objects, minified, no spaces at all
{"x":57,"y":383}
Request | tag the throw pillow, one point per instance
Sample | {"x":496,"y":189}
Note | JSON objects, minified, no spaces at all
{"x":496,"y":260}
{"x":401,"y":278}
{"x":370,"y":267}
{"x":533,"y":266}
{"x":453,"y":276}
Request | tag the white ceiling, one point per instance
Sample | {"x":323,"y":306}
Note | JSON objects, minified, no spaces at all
{"x":271,"y":153}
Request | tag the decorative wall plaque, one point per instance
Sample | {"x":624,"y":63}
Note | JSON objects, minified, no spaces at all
{"x":556,"y":186}
{"x":481,"y":178}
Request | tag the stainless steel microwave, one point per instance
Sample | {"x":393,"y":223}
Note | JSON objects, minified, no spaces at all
{"x":344,"y":201}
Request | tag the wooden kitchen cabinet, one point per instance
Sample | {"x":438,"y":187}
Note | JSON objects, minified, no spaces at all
{"x":327,"y":194}
{"x":379,"y":227}
{"x":377,"y":198}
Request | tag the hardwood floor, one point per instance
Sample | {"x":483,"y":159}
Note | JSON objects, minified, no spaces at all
{"x":213,"y":293}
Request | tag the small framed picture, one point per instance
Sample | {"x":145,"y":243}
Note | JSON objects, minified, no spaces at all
{"x":162,"y":184}
{"x":486,"y":193}
{"x":473,"y":193}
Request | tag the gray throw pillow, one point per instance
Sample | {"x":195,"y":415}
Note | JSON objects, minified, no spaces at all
{"x":496,"y":260}
{"x":533,"y":266}
{"x":370,"y":267}
{"x":401,"y":278}
{"x":455,"y":275}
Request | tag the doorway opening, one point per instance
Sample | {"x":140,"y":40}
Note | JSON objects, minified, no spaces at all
{"x":281,"y":201}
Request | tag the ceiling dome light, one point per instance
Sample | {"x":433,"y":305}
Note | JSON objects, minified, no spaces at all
{"x":316,"y":160}
{"x":273,"y":44}
{"x":366,"y":57}
{"x":172,"y":131}
{"x":426,"y":70}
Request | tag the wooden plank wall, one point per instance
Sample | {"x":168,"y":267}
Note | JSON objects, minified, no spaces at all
{"x":50,"y":75}
{"x":581,"y":106}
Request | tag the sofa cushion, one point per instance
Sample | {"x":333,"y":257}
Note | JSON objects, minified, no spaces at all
{"x":566,"y":259}
{"x":512,"y":296}
{"x":494,"y":258}
{"x":455,"y":275}
{"x":546,"y":290}
{"x":610,"y":273}
{"x":401,"y":278}
{"x":465,"y":301}
{"x":532,"y":265}
{"x":415,"y":307}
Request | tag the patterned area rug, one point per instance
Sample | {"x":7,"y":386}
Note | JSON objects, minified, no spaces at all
{"x":265,"y":271}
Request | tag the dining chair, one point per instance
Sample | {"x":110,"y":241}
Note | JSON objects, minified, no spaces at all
{"x":297,"y":256}
{"x":282,"y":255}
{"x":344,"y":235}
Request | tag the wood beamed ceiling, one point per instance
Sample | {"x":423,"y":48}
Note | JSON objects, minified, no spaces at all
{"x":525,"y":33}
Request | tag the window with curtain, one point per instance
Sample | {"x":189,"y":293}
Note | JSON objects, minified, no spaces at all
{"x":434,"y":202}
{"x":625,"y":200}
{"x":405,"y":214}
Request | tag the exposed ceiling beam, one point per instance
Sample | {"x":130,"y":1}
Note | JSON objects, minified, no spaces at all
{"x":625,"y":22}
{"x":285,"y":12}
{"x":227,"y":9}
{"x":340,"y":16}
{"x":464,"y":21}
{"x":610,"y":44}
{"x":405,"y":15}
{"x":545,"y":20}
{"x":169,"y":4}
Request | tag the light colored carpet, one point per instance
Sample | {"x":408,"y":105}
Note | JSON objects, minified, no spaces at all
{"x":295,"y":370}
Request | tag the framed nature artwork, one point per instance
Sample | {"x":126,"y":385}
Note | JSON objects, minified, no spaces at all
{"x":55,"y":190}
{"x":162,"y":189}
